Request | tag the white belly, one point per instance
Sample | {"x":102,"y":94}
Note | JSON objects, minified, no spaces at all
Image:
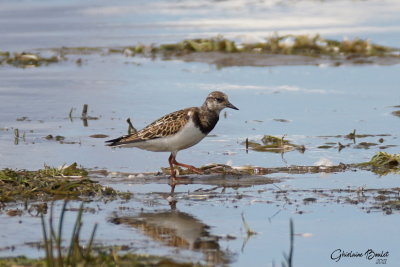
{"x":188,"y":136}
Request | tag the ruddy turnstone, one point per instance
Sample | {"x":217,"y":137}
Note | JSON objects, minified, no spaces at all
{"x":178,"y":130}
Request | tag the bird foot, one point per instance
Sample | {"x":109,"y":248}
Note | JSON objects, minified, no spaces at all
{"x":190,"y":167}
{"x":196,"y":170}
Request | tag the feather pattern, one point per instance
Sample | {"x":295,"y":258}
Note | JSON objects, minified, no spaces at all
{"x":167,"y":125}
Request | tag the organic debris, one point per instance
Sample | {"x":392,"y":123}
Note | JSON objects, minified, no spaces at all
{"x":217,"y":44}
{"x":396,"y":113}
{"x":131,"y":129}
{"x":368,"y":199}
{"x":273,"y":144}
{"x":365,"y":145}
{"x":315,"y":45}
{"x":25,"y":60}
{"x":245,"y":172}
{"x":85,"y":117}
{"x":208,"y":169}
{"x":383,"y":163}
{"x":57,"y":137}
{"x":353,"y":135}
{"x":286,"y":44}
{"x":81,"y":50}
{"x":109,"y":256}
{"x":356,"y":51}
{"x":52,"y":183}
{"x":98,"y":136}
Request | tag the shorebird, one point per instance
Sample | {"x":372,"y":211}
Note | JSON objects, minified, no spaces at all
{"x":178,"y":130}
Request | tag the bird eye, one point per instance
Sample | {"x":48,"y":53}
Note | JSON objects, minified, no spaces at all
{"x":219,"y":100}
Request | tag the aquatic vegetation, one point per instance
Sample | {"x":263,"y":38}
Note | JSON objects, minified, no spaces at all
{"x":383,"y":159}
{"x":53,"y":241}
{"x":25,"y":60}
{"x":69,"y":182}
{"x":217,"y":44}
{"x":285,"y":44}
{"x":107,"y":256}
{"x":354,"y":135}
{"x":273,"y":144}
{"x":365,"y":145}
{"x":208,"y":169}
{"x":355,"y":50}
{"x":77,"y":254}
{"x":289,"y":257}
{"x":80,"y":50}
{"x":383,"y":163}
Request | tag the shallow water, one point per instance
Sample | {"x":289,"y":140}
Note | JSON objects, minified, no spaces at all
{"x":44,"y":24}
{"x":318,"y":102}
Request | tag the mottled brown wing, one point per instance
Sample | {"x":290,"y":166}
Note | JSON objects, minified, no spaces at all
{"x":165,"y":126}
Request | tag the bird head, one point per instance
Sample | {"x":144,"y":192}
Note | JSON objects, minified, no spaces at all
{"x":217,"y":101}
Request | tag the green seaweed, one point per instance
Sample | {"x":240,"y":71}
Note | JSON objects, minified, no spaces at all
{"x":217,"y":44}
{"x":357,"y":50}
{"x":386,"y":160}
{"x":383,"y":163}
{"x":52,"y":183}
{"x":26,"y":59}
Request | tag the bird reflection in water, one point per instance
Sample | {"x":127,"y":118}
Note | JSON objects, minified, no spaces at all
{"x":179,"y":229}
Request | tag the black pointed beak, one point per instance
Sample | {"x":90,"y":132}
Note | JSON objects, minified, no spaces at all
{"x":229,"y":105}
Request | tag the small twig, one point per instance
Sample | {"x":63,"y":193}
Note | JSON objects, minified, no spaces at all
{"x":277,"y":186}
{"x":131,"y":129}
{"x":70,"y":114}
{"x":84,"y":116}
{"x":84,"y":111}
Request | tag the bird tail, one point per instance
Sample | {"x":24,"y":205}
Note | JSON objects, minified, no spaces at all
{"x":114,"y":142}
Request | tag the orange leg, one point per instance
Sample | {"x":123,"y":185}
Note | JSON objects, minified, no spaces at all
{"x":172,"y":161}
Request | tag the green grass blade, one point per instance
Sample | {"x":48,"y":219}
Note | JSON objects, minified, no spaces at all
{"x":46,"y":243}
{"x":75,"y":234}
